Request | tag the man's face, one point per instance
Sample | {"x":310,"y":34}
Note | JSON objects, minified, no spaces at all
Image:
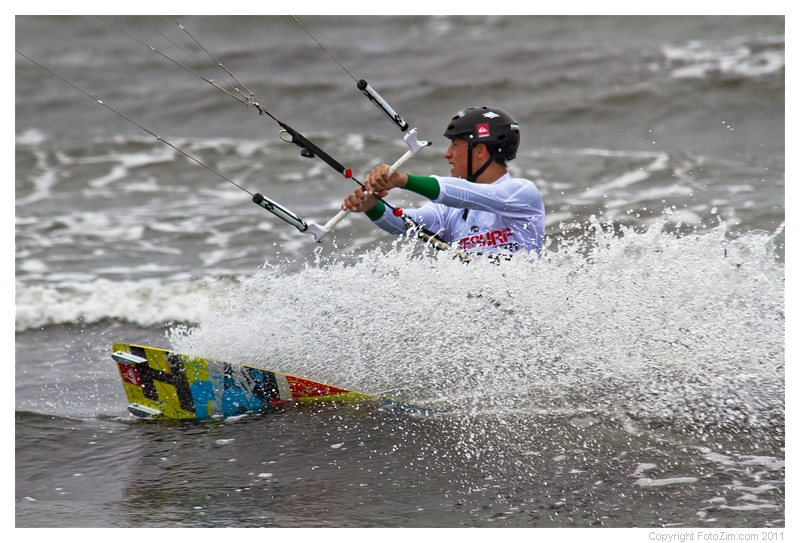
{"x":456,"y":155}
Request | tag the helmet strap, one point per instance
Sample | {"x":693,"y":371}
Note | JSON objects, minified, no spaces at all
{"x":472,"y":177}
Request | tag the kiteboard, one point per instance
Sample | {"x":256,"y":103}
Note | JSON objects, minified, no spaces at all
{"x":164,"y":385}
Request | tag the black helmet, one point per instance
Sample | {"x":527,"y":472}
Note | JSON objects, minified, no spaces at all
{"x":488,"y":125}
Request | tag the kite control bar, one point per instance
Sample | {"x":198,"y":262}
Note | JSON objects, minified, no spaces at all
{"x":318,"y":231}
{"x":414,"y":147}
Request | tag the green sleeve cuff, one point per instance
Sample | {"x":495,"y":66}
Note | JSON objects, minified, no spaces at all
{"x":376,"y":212}
{"x":426,"y":186}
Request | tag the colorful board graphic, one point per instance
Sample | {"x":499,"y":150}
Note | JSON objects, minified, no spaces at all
{"x":161,"y":384}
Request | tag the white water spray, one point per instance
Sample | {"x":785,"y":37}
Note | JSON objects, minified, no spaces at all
{"x":647,"y":323}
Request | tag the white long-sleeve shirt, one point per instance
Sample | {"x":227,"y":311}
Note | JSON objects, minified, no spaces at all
{"x":502,"y":218}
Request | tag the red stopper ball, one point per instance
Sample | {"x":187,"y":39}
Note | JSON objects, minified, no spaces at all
{"x":348,"y":173}
{"x":397,"y":212}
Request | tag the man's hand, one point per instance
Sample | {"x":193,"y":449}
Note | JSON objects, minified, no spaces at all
{"x":379,"y":183}
{"x":359,"y":202}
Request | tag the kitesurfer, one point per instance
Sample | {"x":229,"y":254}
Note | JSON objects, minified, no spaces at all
{"x":480,"y":207}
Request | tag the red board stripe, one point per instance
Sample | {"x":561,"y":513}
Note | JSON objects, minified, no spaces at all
{"x":302,"y":388}
{"x":129,"y":374}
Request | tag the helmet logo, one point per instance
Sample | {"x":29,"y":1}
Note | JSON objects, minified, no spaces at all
{"x":483,"y":130}
{"x":491,"y":115}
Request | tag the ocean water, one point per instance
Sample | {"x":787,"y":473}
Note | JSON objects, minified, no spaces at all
{"x":633,"y":376}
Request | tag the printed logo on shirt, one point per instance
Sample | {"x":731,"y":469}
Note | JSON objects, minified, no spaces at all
{"x":496,"y":238}
{"x":483,"y":130}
